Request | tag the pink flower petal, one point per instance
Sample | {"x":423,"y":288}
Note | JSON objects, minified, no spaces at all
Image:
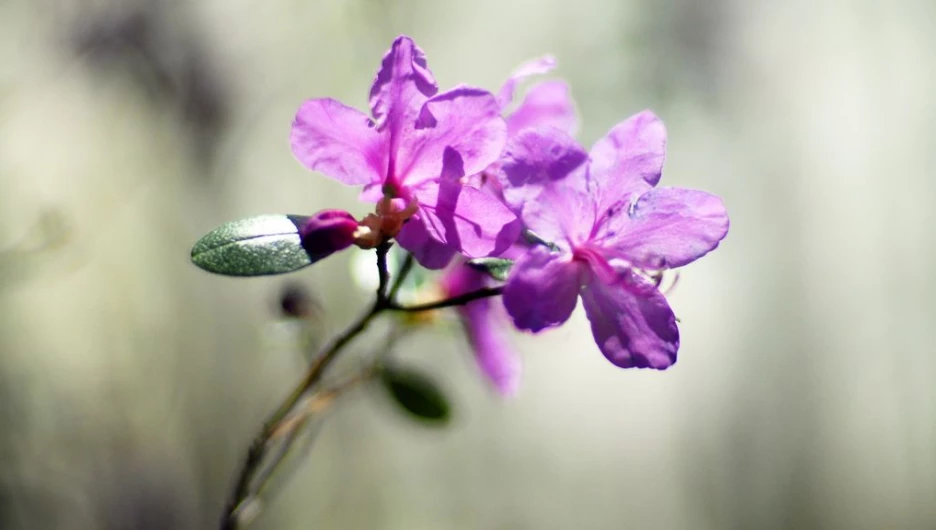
{"x":632,"y":324}
{"x":465,"y":120}
{"x":535,"y":159}
{"x":488,"y":338}
{"x":484,"y":327}
{"x":339,"y":142}
{"x":561,"y":214}
{"x":538,"y":66}
{"x":403,"y":83}
{"x":547,"y":104}
{"x":542,"y":289}
{"x":629,"y":159}
{"x":666,"y":228}
{"x":542,"y":177}
{"x":429,"y":252}
{"x":474,"y":222}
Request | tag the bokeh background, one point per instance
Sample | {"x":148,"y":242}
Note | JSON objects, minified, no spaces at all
{"x":131,"y":382}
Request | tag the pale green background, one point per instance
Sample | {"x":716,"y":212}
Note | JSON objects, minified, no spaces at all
{"x":130,"y":381}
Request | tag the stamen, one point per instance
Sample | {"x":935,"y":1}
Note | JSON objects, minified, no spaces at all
{"x":386,"y":223}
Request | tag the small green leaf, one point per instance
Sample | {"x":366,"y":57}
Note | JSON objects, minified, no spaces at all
{"x":416,"y":393}
{"x":256,"y":246}
{"x":497,"y":268}
{"x":534,"y":239}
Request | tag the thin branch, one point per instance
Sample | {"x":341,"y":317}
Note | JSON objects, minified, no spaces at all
{"x":382,"y":272}
{"x":292,"y":426}
{"x":487,"y":292}
{"x":274,"y":426}
{"x":255,"y":455}
{"x":401,"y":275}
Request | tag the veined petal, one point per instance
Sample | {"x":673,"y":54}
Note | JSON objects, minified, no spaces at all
{"x":667,"y":227}
{"x":464,"y":120}
{"x":629,"y":159}
{"x":560,"y":214}
{"x":542,"y":289}
{"x":403,"y":83}
{"x":535,"y":159}
{"x":338,"y":141}
{"x":547,"y":104}
{"x":539,"y":66}
{"x":467,"y":219}
{"x":632,"y":324}
{"x":542,"y":178}
{"x":429,"y":252}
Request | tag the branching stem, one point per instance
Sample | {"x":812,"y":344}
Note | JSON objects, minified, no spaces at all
{"x":244,"y":489}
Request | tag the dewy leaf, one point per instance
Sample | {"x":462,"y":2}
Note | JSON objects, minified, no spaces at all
{"x":416,"y":394}
{"x":497,"y":268}
{"x":256,"y":246}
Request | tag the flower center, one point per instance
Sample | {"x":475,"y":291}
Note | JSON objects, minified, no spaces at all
{"x":596,"y":262}
{"x":385,"y":223}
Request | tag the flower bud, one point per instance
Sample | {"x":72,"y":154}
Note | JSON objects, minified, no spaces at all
{"x":326,"y":232}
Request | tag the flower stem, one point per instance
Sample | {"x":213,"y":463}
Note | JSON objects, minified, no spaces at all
{"x":255,"y":454}
{"x":382,"y":273}
{"x":463,"y":299}
{"x":244,"y":489}
{"x":291,"y":428}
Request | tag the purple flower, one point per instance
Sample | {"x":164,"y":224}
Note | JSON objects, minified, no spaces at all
{"x":610,"y":224}
{"x":415,"y":151}
{"x":483,"y":322}
{"x":546,"y":104}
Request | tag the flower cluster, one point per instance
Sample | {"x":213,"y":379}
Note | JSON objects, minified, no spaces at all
{"x":461,"y":174}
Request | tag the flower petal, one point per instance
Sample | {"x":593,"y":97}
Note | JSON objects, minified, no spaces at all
{"x":401,"y":86}
{"x":547,"y":104}
{"x":561,"y":214}
{"x":629,"y":159}
{"x":542,"y":173}
{"x":483,"y":324}
{"x":539,"y":66}
{"x":338,"y":141}
{"x":535,"y":159}
{"x":497,"y":360}
{"x":474,"y":222}
{"x":633,"y":325}
{"x":542,"y":289}
{"x":667,"y":227}
{"x":466,"y":120}
{"x":430,"y":253}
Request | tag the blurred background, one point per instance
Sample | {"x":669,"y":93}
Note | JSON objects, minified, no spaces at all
{"x":131,"y":382}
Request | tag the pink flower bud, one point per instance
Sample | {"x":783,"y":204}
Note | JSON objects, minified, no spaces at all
{"x":326,"y":232}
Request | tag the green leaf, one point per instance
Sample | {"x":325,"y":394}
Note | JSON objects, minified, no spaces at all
{"x":534,"y":239}
{"x":256,"y":246}
{"x":417,"y":394}
{"x":497,"y":268}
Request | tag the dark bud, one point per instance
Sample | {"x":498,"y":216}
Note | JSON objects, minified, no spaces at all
{"x":327,"y":232}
